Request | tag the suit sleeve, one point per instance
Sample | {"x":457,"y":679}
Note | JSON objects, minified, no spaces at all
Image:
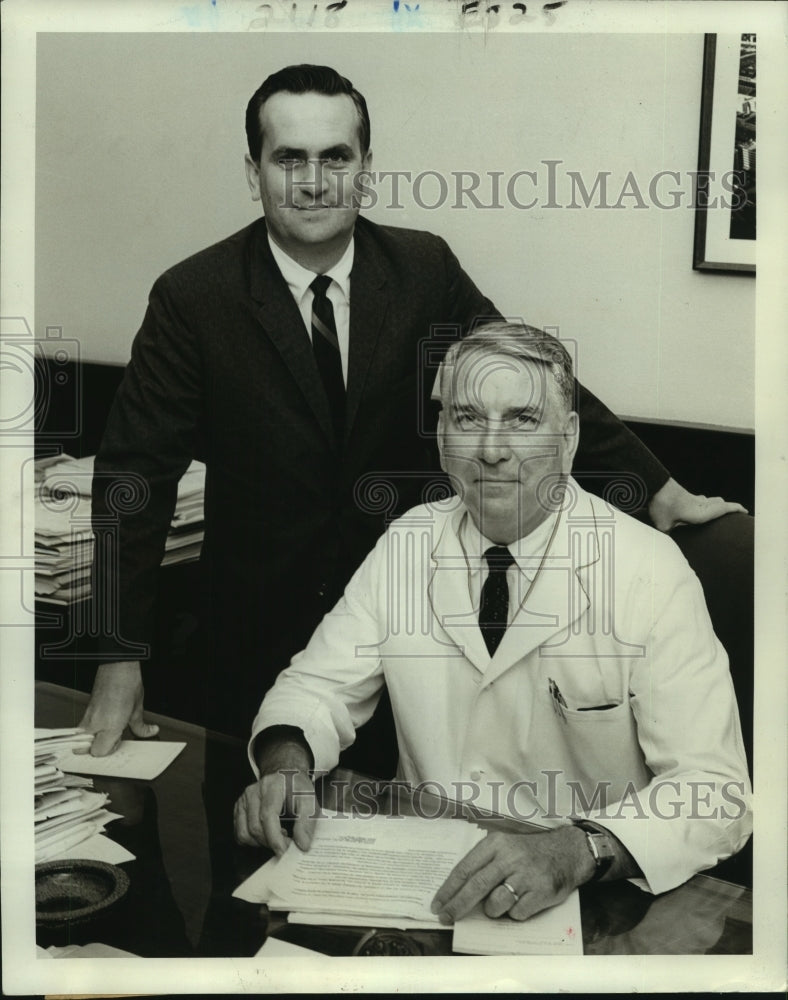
{"x":607,"y":447}
{"x":148,"y":443}
{"x":333,"y":686}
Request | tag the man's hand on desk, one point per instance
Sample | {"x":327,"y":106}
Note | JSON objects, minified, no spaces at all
{"x":541,"y":868}
{"x":673,"y":505}
{"x":284,"y":788}
{"x":115,"y":702}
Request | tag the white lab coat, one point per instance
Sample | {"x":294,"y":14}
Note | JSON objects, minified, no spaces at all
{"x":615,"y":617}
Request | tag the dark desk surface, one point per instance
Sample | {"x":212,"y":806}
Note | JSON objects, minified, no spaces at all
{"x":179,"y":827}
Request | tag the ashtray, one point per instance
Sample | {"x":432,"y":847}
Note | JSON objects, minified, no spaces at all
{"x":75,"y":891}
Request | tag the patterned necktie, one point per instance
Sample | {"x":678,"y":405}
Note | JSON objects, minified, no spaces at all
{"x":494,"y":606}
{"x":325,"y":344}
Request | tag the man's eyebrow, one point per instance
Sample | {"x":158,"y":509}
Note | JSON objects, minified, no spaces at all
{"x":288,"y":153}
{"x":341,"y":149}
{"x":291,"y":153}
{"x":523,"y":411}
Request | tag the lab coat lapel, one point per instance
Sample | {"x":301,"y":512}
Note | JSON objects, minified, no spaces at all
{"x":449,"y":594}
{"x":560,"y":593}
{"x":281,"y":320}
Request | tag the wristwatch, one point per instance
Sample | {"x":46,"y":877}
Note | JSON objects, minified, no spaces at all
{"x":600,"y":847}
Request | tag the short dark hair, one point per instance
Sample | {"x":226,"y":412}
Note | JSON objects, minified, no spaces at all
{"x":518,"y":340}
{"x":303,"y":79}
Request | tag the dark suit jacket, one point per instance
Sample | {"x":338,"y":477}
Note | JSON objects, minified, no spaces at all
{"x":223,"y":369}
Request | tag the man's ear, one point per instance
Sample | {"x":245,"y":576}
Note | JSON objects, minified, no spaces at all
{"x":571,"y":438}
{"x":363,"y":183}
{"x":441,"y":437}
{"x":252,"y":176}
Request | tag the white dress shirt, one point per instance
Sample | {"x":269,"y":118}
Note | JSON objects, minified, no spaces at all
{"x":299,"y":279}
{"x":527,"y":553}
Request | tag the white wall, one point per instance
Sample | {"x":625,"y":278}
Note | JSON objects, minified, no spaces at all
{"x":140,"y":163}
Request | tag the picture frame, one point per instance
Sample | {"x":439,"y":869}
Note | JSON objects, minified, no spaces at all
{"x":725,"y":208}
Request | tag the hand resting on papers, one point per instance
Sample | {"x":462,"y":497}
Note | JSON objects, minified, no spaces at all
{"x":542,"y":868}
{"x":284,"y":789}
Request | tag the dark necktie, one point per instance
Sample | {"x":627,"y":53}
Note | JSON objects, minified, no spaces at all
{"x":325,"y":344}
{"x":494,"y":605}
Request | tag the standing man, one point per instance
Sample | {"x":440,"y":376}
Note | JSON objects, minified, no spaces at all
{"x":287,"y":357}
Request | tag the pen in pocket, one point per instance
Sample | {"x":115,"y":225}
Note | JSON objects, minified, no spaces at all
{"x":559,"y":702}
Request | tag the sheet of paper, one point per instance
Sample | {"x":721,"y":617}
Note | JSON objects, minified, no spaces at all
{"x":45,"y":748}
{"x":48,"y":848}
{"x":59,"y":522}
{"x":354,"y":920}
{"x":54,"y":798}
{"x":72,"y":800}
{"x":143,"y":759}
{"x":50,"y":842}
{"x":556,"y":931}
{"x":96,"y":848}
{"x":257,"y":888}
{"x":43,"y":772}
{"x":81,"y":471}
{"x":53,"y":734}
{"x":93,"y":950}
{"x":47,"y":834}
{"x":372,"y":865}
{"x":274,"y":948}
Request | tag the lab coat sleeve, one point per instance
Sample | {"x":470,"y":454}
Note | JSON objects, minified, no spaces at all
{"x":696,"y":810}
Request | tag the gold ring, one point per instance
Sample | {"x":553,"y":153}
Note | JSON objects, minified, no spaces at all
{"x":506,"y":885}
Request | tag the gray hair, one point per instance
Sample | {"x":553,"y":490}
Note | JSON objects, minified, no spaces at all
{"x":517,"y":340}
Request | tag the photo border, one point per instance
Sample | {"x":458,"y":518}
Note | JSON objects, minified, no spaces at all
{"x":766,"y":970}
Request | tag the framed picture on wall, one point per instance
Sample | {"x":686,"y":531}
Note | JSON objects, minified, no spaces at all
{"x":725,"y":225}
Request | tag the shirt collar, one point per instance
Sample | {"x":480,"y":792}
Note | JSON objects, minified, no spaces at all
{"x":299,"y":278}
{"x":526,"y":550}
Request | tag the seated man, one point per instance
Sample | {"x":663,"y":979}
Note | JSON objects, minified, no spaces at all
{"x":541,"y":649}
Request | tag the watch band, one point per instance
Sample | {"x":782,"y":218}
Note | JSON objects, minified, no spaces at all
{"x":599,"y":846}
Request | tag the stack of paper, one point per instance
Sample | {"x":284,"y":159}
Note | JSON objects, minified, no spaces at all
{"x":63,"y":535}
{"x":361,"y":869}
{"x":67,"y":812}
{"x":384,"y":872}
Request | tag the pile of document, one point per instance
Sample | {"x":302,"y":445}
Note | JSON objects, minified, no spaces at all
{"x":67,"y":812}
{"x":63,"y":535}
{"x":383,"y":871}
{"x":383,"y":868}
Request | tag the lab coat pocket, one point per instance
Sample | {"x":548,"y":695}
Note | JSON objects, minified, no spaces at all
{"x":597,"y":746}
{"x":606,"y":714}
